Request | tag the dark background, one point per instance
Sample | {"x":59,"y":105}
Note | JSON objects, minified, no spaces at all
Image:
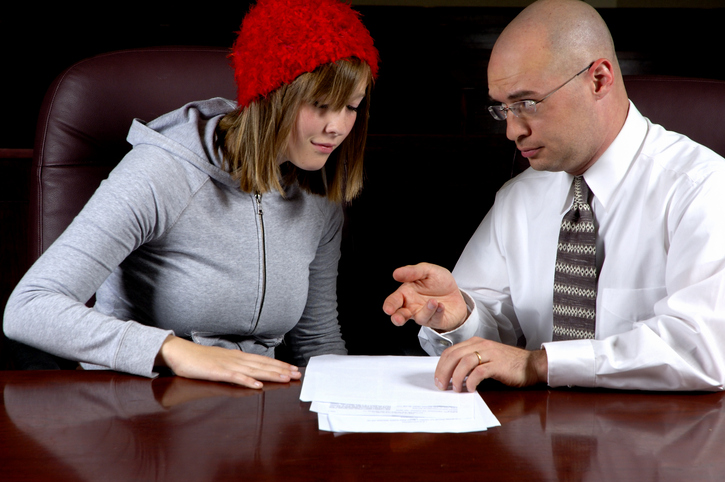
{"x":435,"y":157}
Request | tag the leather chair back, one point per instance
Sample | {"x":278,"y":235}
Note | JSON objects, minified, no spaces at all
{"x":693,"y":107}
{"x":86,"y":115}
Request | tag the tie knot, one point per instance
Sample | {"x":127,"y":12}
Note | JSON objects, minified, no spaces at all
{"x":581,"y":192}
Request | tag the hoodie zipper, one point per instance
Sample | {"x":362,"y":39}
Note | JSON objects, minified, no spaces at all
{"x":263,"y":259}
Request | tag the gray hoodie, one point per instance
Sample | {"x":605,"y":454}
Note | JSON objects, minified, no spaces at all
{"x":170,"y":244}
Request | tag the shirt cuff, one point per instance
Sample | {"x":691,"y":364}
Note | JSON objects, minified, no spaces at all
{"x":434,"y":343}
{"x":571,"y":363}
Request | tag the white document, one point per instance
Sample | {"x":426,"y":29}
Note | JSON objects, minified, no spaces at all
{"x":388,"y":394}
{"x":394,"y":409}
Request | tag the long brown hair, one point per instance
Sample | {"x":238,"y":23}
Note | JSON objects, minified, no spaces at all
{"x":254,"y":137}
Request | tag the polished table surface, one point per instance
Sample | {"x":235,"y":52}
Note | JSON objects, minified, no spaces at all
{"x":92,"y":426}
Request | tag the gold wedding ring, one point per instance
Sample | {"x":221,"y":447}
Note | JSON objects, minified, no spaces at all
{"x":479,"y":357}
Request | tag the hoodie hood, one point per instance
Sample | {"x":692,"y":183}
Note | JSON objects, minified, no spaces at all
{"x":188,"y":133}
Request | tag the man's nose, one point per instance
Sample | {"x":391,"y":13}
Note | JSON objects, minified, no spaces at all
{"x":516,"y":127}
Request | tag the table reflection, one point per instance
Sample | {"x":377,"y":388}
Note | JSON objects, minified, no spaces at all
{"x":107,"y":426}
{"x":612,"y":435}
{"x":165,"y":429}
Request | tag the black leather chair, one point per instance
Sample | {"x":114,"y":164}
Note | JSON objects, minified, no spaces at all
{"x":694,"y":107}
{"x":82,"y":128}
{"x":86,"y":115}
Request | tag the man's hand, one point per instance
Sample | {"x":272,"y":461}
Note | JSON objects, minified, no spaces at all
{"x":187,"y":359}
{"x":511,"y":366}
{"x":428,"y":295}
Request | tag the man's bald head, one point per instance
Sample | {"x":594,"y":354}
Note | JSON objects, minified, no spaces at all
{"x":570,"y":32}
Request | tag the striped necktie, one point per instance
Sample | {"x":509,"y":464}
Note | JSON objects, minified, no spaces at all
{"x":575,"y":276}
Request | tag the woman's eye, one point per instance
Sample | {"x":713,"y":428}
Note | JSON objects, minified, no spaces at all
{"x":353,"y":108}
{"x":320,"y":105}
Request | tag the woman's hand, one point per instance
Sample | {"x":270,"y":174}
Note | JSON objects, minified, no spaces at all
{"x":187,"y":359}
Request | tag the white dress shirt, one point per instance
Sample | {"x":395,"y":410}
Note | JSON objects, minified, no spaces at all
{"x":659,"y":203}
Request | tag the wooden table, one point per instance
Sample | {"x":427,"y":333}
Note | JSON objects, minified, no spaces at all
{"x":92,"y":426}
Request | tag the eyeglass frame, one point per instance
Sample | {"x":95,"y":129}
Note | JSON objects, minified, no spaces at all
{"x":503,"y":109}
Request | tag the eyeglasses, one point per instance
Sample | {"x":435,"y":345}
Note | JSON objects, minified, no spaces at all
{"x":527,"y":107}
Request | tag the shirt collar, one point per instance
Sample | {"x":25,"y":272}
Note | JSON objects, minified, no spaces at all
{"x":605,"y":175}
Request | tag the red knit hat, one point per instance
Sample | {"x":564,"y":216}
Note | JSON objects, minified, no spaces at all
{"x":281,"y":39}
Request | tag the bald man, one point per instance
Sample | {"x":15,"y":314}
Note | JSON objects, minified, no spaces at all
{"x":658,"y":302}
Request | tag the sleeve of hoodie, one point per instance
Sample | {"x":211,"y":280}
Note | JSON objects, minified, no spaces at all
{"x":318,"y":331}
{"x":141,"y":198}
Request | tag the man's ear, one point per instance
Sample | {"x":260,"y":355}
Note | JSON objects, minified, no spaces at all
{"x":602,"y":73}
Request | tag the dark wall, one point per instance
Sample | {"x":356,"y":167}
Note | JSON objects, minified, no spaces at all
{"x":431,"y":55}
{"x":435,"y":157}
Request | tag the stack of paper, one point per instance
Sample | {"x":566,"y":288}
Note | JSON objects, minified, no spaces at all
{"x":388,"y":394}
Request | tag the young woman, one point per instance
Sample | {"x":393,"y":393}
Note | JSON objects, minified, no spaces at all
{"x":219,"y":233}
